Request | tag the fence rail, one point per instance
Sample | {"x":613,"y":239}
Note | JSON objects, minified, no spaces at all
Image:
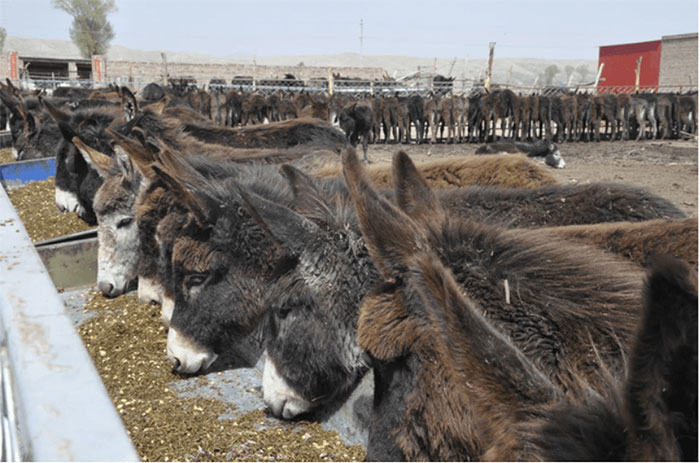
{"x":422,"y":86}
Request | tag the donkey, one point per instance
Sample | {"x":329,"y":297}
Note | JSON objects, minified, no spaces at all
{"x":325,"y":248}
{"x":457,"y":377}
{"x":219,"y":262}
{"x":537,"y":149}
{"x":154,"y":204}
{"x":129,"y":182}
{"x":509,"y":409}
{"x":76,"y":179}
{"x":356,"y":120}
{"x":26,"y":123}
{"x":329,"y":275}
{"x":638,"y":241}
{"x":323,"y":208}
{"x":487,"y":207}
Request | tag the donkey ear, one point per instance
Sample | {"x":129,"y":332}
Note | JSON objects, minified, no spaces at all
{"x":662,"y":368}
{"x":101,"y":162}
{"x":413,"y":194}
{"x":60,"y":118}
{"x":306,"y":197}
{"x":130,"y":107}
{"x":177,"y":165}
{"x":159,"y":106}
{"x":140,"y":157}
{"x":390,"y":235}
{"x":195,"y":202}
{"x":287,"y":229}
{"x":11,"y":101}
{"x":15,"y":91}
{"x":126,"y":167}
{"x":29,"y":122}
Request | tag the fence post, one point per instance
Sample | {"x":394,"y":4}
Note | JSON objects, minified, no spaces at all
{"x":165,"y":69}
{"x":637,"y":73}
{"x":597,"y":77}
{"x":330,"y":81}
{"x":492,"y":45}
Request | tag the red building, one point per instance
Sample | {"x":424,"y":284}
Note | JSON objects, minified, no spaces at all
{"x":620,"y":64}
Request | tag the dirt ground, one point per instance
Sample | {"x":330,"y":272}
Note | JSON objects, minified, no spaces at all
{"x":668,"y":168}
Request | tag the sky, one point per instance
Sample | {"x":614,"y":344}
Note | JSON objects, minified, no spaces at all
{"x":546,"y":29}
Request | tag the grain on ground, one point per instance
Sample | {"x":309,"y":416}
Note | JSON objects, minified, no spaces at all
{"x":36,"y":206}
{"x":127,"y":343}
{"x":6,"y":156}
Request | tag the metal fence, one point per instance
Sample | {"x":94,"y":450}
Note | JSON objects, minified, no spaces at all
{"x":53,"y":404}
{"x":422,"y":86}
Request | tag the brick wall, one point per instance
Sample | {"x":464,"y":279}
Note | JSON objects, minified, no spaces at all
{"x":679,"y":61}
{"x":146,"y":72}
{"x":4,"y":65}
{"x":124,"y":71}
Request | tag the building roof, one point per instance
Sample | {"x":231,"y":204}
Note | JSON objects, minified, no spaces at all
{"x":693,"y":35}
{"x":37,"y":48}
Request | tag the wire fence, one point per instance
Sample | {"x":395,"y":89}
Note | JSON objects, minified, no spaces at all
{"x":423,"y":86}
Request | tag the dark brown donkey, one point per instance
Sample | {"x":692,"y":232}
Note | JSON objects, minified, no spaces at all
{"x":520,"y":371}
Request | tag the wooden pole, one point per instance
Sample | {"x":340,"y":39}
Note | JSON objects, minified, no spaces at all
{"x":165,"y":68}
{"x":330,"y":81}
{"x":597,"y":77}
{"x":637,"y":74}
{"x":492,"y":45}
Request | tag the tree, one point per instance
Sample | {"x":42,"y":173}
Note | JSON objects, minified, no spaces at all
{"x":3,"y":34}
{"x":549,"y":73}
{"x":583,"y":70}
{"x":90,"y":31}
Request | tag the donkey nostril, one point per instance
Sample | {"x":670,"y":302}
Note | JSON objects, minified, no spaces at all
{"x":176,"y":365}
{"x":153,"y":302}
{"x":106,"y":288}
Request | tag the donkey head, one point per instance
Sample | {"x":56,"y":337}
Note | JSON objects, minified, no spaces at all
{"x":38,"y":138}
{"x":76,"y":180}
{"x":114,"y":205}
{"x":219,"y":260}
{"x":311,"y":307}
{"x":553,"y":157}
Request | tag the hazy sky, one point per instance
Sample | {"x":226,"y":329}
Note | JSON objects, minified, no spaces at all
{"x":551,"y":29}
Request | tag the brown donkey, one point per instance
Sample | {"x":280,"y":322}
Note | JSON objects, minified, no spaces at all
{"x":455,"y":380}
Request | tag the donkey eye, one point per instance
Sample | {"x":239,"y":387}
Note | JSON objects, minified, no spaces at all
{"x":283,"y":311}
{"x":196,"y":279}
{"x":124,"y":222}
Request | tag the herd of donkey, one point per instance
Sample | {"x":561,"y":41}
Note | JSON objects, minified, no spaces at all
{"x":507,"y":317}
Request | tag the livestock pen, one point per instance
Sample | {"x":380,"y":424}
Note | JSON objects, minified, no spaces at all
{"x":125,"y":340}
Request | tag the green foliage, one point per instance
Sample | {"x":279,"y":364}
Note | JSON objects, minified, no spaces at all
{"x":90,"y":31}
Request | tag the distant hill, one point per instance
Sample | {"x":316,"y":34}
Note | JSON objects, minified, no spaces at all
{"x":505,"y":70}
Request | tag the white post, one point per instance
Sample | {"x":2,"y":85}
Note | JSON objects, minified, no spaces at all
{"x":597,"y":77}
{"x":492,"y":45}
{"x":637,"y":74}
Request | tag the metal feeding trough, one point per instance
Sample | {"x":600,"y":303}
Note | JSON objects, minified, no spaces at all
{"x":47,"y":375}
